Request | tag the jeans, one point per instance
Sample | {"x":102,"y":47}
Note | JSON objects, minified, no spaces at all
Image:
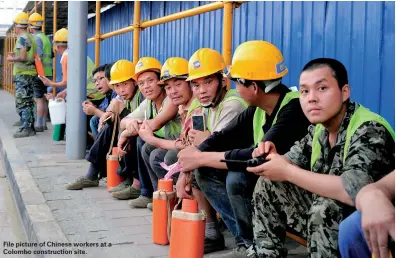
{"x":144,"y":177}
{"x":94,"y":125}
{"x":230,"y":194}
{"x":152,"y":157}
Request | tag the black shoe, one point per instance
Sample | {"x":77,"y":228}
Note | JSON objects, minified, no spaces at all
{"x":214,"y":245}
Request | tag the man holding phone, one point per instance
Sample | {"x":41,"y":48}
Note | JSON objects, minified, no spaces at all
{"x":274,"y":115}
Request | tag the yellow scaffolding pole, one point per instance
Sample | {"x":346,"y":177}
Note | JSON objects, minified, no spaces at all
{"x":34,"y":9}
{"x":55,"y":20}
{"x":43,"y":15}
{"x":227,"y":34}
{"x":136,"y":31}
{"x":97,"y":34}
{"x":184,"y":14}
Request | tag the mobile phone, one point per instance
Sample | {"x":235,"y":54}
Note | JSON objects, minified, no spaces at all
{"x":107,"y":120}
{"x":198,"y":122}
{"x":243,"y":164}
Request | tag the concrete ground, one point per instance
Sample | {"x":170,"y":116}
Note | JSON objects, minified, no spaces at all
{"x":38,"y":169}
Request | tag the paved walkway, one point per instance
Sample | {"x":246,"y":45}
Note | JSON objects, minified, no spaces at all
{"x":90,"y":215}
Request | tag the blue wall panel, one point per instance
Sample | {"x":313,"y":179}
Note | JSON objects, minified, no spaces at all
{"x":359,"y":34}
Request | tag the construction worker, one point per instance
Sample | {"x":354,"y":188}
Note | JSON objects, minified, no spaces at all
{"x":313,"y":187}
{"x":274,"y":114}
{"x":44,"y":50}
{"x":61,"y":40}
{"x":24,"y":72}
{"x":147,"y":77}
{"x":122,"y":80}
{"x":371,"y":229}
{"x":220,"y":106}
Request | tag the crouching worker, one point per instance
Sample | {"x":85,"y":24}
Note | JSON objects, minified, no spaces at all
{"x":371,"y":229}
{"x":313,"y":187}
{"x":124,"y":85}
{"x":158,"y":112}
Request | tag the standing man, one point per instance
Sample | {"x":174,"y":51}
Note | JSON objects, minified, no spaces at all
{"x":44,"y":50}
{"x":24,"y":72}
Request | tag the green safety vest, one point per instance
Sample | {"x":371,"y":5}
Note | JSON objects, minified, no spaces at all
{"x":259,"y":116}
{"x":133,"y":104}
{"x":361,"y":116}
{"x":28,"y":67}
{"x":169,"y":129}
{"x":91,"y":90}
{"x":230,"y":95}
{"x":47,"y":54}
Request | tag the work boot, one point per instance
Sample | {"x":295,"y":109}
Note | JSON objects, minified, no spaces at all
{"x":121,"y":186}
{"x":239,"y":252}
{"x":127,"y":193}
{"x":17,"y":123}
{"x":45,"y":126}
{"x":150,"y":206}
{"x":214,"y":245}
{"x":25,"y":132}
{"x":39,"y":129}
{"x":82,"y":182}
{"x":140,"y":202}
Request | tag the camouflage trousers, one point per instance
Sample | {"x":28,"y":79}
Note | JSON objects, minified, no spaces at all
{"x":280,"y":207}
{"x":24,"y":99}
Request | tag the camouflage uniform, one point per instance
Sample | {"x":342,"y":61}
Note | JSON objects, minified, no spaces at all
{"x":24,"y":74}
{"x":281,"y":206}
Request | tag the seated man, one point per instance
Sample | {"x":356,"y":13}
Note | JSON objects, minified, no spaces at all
{"x":274,"y":115}
{"x":368,"y":230}
{"x":313,"y":187}
{"x":102,"y":85}
{"x":147,"y":76}
{"x":122,"y":74}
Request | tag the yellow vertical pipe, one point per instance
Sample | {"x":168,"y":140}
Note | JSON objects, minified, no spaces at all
{"x":43,"y":15}
{"x":97,"y":34}
{"x":5,"y":73}
{"x":35,"y":7}
{"x":227,"y":33}
{"x":13,"y":42}
{"x":136,"y":31}
{"x":55,"y":20}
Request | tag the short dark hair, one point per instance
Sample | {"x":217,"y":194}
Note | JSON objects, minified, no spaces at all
{"x":100,"y":68}
{"x":107,"y":71}
{"x":337,"y":68}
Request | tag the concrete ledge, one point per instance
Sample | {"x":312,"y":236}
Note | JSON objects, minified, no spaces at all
{"x":36,"y":217}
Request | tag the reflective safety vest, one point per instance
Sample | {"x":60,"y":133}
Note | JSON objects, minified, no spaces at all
{"x":259,"y":116}
{"x":230,"y":95}
{"x":28,"y":67}
{"x":47,"y":53}
{"x":170,"y":129}
{"x":361,"y":116}
{"x":133,"y":104}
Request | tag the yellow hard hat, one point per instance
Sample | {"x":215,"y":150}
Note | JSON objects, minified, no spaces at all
{"x":21,"y":19}
{"x":61,"y":36}
{"x":204,"y":62}
{"x":173,"y":67}
{"x":36,"y":20}
{"x":121,"y":71}
{"x":257,"y":60}
{"x":145,"y":64}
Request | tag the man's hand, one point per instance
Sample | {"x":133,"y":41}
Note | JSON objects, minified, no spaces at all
{"x":133,"y":127}
{"x":103,"y":118}
{"x":89,"y":110}
{"x":122,"y":140}
{"x":145,"y":131}
{"x":10,"y":57}
{"x":378,"y":221}
{"x":87,"y":102}
{"x":49,"y":96}
{"x":62,"y":94}
{"x":189,"y":159}
{"x":197,"y":137}
{"x":263,"y":149}
{"x":45,"y":80}
{"x":183,"y":186}
{"x":275,"y":169}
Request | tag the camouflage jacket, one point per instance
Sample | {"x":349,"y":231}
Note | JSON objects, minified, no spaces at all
{"x":371,"y":154}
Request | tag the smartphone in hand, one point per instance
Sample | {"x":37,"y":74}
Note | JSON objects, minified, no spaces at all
{"x":198,"y":122}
